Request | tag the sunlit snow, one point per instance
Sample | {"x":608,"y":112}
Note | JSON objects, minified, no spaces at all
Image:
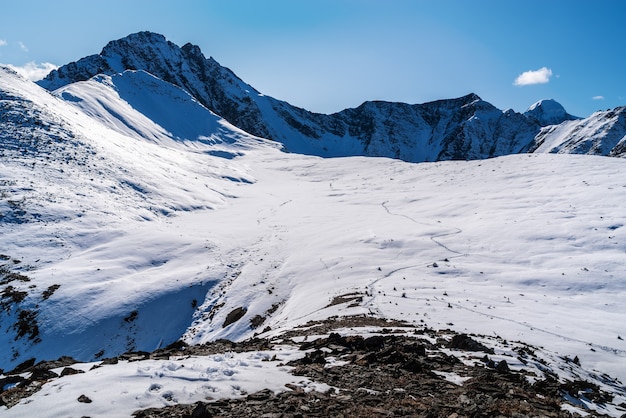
{"x":158,"y":228}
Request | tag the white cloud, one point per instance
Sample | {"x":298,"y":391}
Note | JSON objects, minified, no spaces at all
{"x":22,"y":46}
{"x":540,"y":76}
{"x":35,"y":71}
{"x":597,"y":98}
{"x":3,"y":42}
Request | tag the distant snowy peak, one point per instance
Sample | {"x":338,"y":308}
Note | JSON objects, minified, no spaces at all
{"x":548,"y":112}
{"x":603,"y":133}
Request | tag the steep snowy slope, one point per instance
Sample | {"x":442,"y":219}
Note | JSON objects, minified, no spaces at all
{"x":463,"y":128}
{"x":85,"y":217}
{"x":138,"y":104}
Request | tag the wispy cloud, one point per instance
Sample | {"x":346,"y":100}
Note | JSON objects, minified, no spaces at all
{"x":22,"y":46}
{"x":3,"y":42}
{"x":540,"y":76}
{"x":35,"y":71}
{"x":597,"y":98}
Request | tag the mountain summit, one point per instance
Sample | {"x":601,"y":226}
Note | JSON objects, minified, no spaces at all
{"x":548,"y":112}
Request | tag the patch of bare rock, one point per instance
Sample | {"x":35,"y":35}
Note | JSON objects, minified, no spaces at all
{"x":392,"y":374}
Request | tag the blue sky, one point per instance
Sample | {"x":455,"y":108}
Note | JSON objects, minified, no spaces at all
{"x":328,"y":55}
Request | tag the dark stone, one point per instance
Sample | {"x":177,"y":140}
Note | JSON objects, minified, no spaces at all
{"x":467,"y":343}
{"x":201,"y":411}
{"x":417,"y":349}
{"x":374,"y":343}
{"x":503,"y":367}
{"x":261,"y":395}
{"x":413,"y":366}
{"x":177,"y":345}
{"x":53,"y":364}
{"x":314,"y":357}
{"x":69,"y":371}
{"x":488,"y":362}
{"x":43,"y":374}
{"x":84,"y":399}
{"x":393,"y":357}
{"x":234,"y":316}
{"x":335,"y":338}
{"x":23,"y":367}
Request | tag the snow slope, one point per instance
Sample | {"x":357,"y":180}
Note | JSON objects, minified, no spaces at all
{"x":151,"y":232}
{"x":87,"y":238}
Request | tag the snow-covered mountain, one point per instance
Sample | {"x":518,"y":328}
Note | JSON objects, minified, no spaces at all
{"x":132,"y":214}
{"x":603,"y":133}
{"x":463,"y":128}
{"x":548,"y":112}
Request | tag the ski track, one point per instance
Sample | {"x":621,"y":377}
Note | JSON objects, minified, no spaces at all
{"x":433,"y":238}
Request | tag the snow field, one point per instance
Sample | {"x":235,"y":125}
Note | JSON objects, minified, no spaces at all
{"x":528,"y":248}
{"x":173,"y":234}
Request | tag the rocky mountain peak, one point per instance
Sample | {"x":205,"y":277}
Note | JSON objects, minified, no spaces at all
{"x":470,"y":98}
{"x":134,"y":50}
{"x":140,"y":40}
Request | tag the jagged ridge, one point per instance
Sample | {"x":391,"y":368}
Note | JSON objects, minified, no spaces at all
{"x":462,"y":128}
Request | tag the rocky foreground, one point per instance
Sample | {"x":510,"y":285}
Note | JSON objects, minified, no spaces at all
{"x":384,"y":369}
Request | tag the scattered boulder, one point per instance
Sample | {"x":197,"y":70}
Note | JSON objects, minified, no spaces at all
{"x":43,"y":374}
{"x":467,"y":343}
{"x":69,"y":371}
{"x":503,"y":367}
{"x":234,"y":316}
{"x":23,"y":367}
{"x":84,"y":399}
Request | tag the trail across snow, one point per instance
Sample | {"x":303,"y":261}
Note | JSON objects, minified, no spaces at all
{"x":526,"y":247}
